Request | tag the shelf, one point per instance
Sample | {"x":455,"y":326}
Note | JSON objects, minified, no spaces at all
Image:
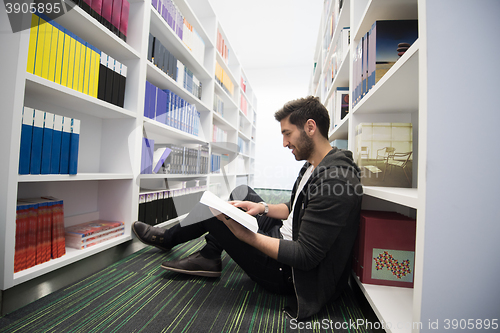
{"x":397,"y":90}
{"x":392,"y":305}
{"x":385,"y":10}
{"x":171,"y":176}
{"x":223,"y":123}
{"x":71,"y":256}
{"x":83,"y":25}
{"x":77,"y":177}
{"x":50,"y":92}
{"x":341,"y":131}
{"x":159,"y":132}
{"x":403,"y":196}
{"x":342,"y":77}
{"x":161,"y":30}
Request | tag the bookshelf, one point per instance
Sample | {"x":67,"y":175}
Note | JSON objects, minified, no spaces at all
{"x":108,"y":182}
{"x":410,"y":92}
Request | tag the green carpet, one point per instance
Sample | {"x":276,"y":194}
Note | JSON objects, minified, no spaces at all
{"x":136,"y":295}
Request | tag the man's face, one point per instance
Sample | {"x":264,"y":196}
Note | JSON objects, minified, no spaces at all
{"x":296,"y":139}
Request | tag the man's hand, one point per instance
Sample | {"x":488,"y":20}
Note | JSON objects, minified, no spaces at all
{"x":249,"y":207}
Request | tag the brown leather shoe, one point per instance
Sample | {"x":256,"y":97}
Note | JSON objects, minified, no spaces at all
{"x":195,"y":264}
{"x":150,"y":235}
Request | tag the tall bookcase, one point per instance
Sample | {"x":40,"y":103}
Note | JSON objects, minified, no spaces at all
{"x":108,"y":182}
{"x":425,"y":88}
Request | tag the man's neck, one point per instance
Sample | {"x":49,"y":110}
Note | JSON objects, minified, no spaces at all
{"x":320,"y":151}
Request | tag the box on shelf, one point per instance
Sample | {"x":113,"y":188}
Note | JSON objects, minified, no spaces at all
{"x":384,"y":152}
{"x":384,"y":252}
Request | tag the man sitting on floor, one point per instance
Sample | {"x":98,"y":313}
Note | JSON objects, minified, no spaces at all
{"x":303,"y":246}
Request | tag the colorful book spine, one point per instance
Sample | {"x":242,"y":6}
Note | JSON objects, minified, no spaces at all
{"x":74,"y":146}
{"x":26,"y":140}
{"x":48,"y":131}
{"x":36,"y":143}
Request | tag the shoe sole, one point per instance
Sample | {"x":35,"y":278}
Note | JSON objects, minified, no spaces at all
{"x":196,"y":273}
{"x":144,"y":242}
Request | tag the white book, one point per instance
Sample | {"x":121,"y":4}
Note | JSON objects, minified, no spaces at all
{"x":211,"y":200}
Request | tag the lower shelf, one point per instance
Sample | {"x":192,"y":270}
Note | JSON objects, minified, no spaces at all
{"x":71,"y":256}
{"x":392,"y":305}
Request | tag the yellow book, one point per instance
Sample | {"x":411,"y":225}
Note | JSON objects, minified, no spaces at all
{"x":59,"y":57}
{"x":88,"y":68}
{"x":53,"y":53}
{"x":71,"y":62}
{"x":30,"y":68}
{"x":46,"y":50}
{"x":83,"y":59}
{"x":76,"y":69}
{"x":39,"y":47}
{"x":97,"y":64}
{"x":65,"y":59}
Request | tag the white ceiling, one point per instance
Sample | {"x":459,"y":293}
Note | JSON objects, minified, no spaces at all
{"x":270,"y":33}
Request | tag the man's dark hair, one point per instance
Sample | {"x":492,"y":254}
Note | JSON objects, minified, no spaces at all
{"x":302,"y":109}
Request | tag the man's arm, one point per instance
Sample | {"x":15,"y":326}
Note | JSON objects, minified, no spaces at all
{"x":278,"y":211}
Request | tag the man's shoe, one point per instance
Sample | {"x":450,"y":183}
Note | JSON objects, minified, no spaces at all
{"x":195,"y":264}
{"x":150,"y":235}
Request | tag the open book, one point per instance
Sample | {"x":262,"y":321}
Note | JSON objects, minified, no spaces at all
{"x":211,"y":200}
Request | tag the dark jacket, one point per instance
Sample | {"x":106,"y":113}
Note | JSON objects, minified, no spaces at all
{"x":325,"y":223}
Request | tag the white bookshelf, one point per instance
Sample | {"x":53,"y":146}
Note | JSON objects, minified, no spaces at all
{"x":108,"y":182}
{"x":425,"y":88}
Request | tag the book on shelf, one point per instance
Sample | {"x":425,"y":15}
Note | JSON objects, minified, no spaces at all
{"x":340,"y":105}
{"x":39,"y":231}
{"x":384,"y":151}
{"x":159,"y":157}
{"x":378,"y":50}
{"x":48,"y":131}
{"x":218,"y":105}
{"x":91,"y":233}
{"x":223,"y":79}
{"x":222,"y":47}
{"x":384,"y":251}
{"x":62,"y":57}
{"x":223,"y":207}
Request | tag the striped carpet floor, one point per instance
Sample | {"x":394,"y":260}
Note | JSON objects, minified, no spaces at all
{"x":136,"y":295}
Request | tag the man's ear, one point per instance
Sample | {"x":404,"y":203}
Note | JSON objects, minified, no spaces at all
{"x":310,"y":127}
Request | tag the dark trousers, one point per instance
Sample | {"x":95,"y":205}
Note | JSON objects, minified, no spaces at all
{"x":267,"y":272}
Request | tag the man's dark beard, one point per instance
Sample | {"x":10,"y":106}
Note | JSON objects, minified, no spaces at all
{"x":304,"y":147}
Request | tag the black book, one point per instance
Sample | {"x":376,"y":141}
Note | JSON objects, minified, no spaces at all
{"x":101,"y":88}
{"x":116,"y":83}
{"x":150,"y":47}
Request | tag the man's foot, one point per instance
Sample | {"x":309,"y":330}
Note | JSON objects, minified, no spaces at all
{"x":150,"y":235}
{"x":195,"y":264}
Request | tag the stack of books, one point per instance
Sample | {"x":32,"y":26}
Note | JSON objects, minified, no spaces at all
{"x":39,"y":232}
{"x":49,"y":143}
{"x":87,"y":234}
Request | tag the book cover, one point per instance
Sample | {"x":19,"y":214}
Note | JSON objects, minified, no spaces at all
{"x":384,"y":151}
{"x":101,"y":83}
{"x":161,"y":106}
{"x":36,"y":144}
{"x":116,"y":13}
{"x":211,"y":200}
{"x":30,"y":66}
{"x":58,"y":245}
{"x":122,"y":84}
{"x":386,"y":249}
{"x":20,"y":248}
{"x":108,"y":95}
{"x":47,"y":50}
{"x":53,"y":51}
{"x":26,"y":140}
{"x":65,"y":146}
{"x":96,"y":9}
{"x":48,"y":131}
{"x":59,"y":55}
{"x":116,"y":82}
{"x":74,"y":146}
{"x":40,"y":43}
{"x":71,"y":62}
{"x":66,"y":55}
{"x":106,"y":12}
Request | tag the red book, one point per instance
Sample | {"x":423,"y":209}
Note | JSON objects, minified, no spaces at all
{"x":31,"y":236}
{"x":107,"y":9}
{"x":57,"y":227}
{"x":124,"y":20}
{"x":116,"y":14}
{"x":96,"y":6}
{"x":385,"y":250}
{"x":22,"y":219}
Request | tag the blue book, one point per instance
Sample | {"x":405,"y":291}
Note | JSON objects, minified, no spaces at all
{"x":36,"y":143}
{"x":26,"y":139}
{"x":152,"y":100}
{"x":148,"y":158}
{"x":65,"y":146}
{"x":143,"y":156}
{"x":56,"y":145}
{"x":161,"y":106}
{"x":48,"y":130}
{"x":74,"y":146}
{"x":146,"y":100}
{"x":168,"y":106}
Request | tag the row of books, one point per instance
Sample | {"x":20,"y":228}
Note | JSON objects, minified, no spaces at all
{"x":194,"y":42}
{"x":218,"y":105}
{"x":338,"y":106}
{"x":159,"y":206}
{"x":378,"y":51}
{"x":243,"y":104}
{"x":341,"y":48}
{"x":39,"y":232}
{"x":60,"y":56}
{"x":223,"y":79}
{"x":171,"y":15}
{"x":168,"y":108}
{"x":333,"y":10}
{"x":218,"y":161}
{"x":49,"y":143}
{"x":243,"y":83}
{"x":242,"y":146}
{"x":218,"y":134}
{"x":162,"y":58}
{"x":187,"y":160}
{"x":113,"y":14}
{"x":84,"y":235}
{"x":222,"y":47}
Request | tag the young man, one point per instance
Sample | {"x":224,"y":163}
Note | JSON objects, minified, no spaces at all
{"x":303,"y":246}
